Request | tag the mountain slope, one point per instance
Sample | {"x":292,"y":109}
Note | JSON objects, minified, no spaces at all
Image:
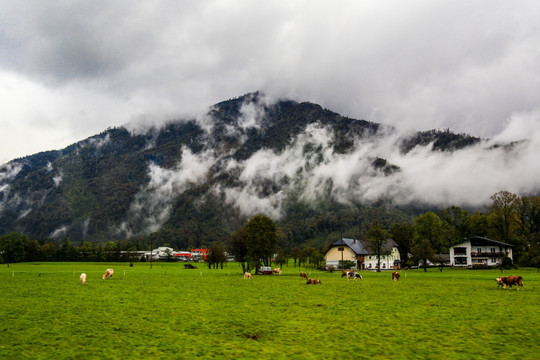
{"x":198,"y":180}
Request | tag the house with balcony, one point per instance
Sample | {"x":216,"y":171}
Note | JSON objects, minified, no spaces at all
{"x":479,"y":251}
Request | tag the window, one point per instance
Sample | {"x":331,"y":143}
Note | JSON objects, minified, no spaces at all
{"x":369,"y":266}
{"x":493,"y":260}
{"x":384,"y":266}
{"x":460,"y":251}
{"x":492,"y":250}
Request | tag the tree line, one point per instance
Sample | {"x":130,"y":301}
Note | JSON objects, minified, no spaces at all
{"x":509,"y":218}
{"x":15,"y":247}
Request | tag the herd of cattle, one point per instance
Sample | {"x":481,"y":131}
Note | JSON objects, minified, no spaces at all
{"x":353,"y":275}
{"x":503,"y":281}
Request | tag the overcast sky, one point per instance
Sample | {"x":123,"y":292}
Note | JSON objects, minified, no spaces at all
{"x":71,"y":69}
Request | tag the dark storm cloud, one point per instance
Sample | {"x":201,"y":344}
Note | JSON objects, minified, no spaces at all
{"x":71,"y":69}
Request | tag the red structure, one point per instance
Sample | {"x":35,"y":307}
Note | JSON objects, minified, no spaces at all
{"x":183,"y":255}
{"x":202,"y":253}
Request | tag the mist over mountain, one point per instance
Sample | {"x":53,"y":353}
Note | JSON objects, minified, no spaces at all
{"x":315,"y":172}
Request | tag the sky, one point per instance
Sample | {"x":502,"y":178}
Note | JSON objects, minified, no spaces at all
{"x":71,"y":69}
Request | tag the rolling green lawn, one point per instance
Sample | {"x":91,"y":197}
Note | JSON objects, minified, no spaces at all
{"x":169,"y":312}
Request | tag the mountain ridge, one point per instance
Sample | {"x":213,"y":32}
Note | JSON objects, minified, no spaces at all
{"x":199,"y":179}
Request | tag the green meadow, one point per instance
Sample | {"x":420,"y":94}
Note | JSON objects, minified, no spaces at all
{"x":169,"y":312}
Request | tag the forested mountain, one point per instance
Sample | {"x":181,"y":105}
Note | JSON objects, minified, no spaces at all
{"x":194,"y":181}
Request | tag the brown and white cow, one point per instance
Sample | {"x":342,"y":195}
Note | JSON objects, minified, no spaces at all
{"x":108,"y":274}
{"x":313,"y":281}
{"x":395,"y":276}
{"x":276,"y":271}
{"x":510,"y":281}
{"x":303,"y":275}
{"x":247,"y":276}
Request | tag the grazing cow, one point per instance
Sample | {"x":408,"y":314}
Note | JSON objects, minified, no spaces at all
{"x":395,"y":276}
{"x":83,"y":278}
{"x":303,"y":275}
{"x":247,"y":276}
{"x":313,"y":281}
{"x":108,"y":274}
{"x":345,"y":272}
{"x":512,"y":280}
{"x":277,"y":271}
{"x":353,"y":275}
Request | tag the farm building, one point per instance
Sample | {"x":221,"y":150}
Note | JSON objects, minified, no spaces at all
{"x":358,"y":252}
{"x":199,"y":254}
{"x":479,"y":251}
{"x":182,"y":255}
{"x":166,"y":253}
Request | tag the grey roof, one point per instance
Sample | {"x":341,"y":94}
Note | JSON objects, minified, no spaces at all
{"x":355,"y":245}
{"x":446,"y":257}
{"x":484,"y":239}
{"x":361,"y":247}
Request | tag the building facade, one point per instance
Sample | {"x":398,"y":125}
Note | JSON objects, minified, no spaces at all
{"x":479,"y":251}
{"x":390,"y":261}
{"x":358,"y":252}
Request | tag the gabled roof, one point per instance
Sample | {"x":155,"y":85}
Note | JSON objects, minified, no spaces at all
{"x":354,"y":244}
{"x":362,"y":247}
{"x":472,"y":238}
{"x":388,"y":245}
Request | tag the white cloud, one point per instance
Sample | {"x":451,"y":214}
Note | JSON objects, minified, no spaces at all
{"x":466,"y":177}
{"x":420,"y":64}
{"x":153,"y":203}
{"x":10,"y":170}
{"x":60,"y":232}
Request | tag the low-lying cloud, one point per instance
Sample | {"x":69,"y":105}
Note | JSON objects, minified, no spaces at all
{"x":153,"y":204}
{"x":309,"y":170}
{"x":466,"y":177}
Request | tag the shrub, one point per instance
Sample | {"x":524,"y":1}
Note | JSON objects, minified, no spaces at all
{"x":507,"y":263}
{"x":346,"y":264}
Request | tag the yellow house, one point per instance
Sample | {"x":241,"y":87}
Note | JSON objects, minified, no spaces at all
{"x":358,"y":252}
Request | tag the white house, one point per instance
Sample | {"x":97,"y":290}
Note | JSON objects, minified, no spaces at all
{"x":358,"y":252}
{"x":479,"y":251}
{"x":157,"y":254}
{"x":161,"y":253}
{"x":390,"y":261}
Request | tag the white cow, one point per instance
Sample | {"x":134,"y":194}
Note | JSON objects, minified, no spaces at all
{"x":83,"y":278}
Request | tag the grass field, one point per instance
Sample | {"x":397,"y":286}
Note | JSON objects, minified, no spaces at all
{"x":169,"y":312}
